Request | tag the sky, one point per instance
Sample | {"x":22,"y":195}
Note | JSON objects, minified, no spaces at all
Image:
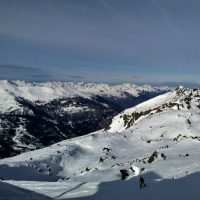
{"x":137,"y":41}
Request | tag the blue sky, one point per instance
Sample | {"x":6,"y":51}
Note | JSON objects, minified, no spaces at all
{"x":141,"y":41}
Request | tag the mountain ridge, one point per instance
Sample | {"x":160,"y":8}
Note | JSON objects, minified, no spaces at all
{"x":35,"y":115}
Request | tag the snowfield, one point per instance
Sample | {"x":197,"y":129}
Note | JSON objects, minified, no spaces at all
{"x":158,"y":139}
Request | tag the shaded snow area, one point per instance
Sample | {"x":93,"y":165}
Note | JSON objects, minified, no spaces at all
{"x":11,"y":192}
{"x":158,"y":140}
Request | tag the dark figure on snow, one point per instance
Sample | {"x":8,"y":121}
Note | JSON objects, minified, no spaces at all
{"x":141,"y":181}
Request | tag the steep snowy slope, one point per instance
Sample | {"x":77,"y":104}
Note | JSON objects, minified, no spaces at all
{"x":181,"y":99}
{"x":158,"y":139}
{"x":35,"y":115}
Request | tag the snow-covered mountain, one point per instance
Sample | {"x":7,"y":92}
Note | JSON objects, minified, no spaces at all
{"x":158,"y":139}
{"x":46,"y":92}
{"x":35,"y":115}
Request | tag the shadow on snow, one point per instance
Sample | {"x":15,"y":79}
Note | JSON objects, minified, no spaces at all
{"x":11,"y":192}
{"x":23,"y":173}
{"x":184,"y":188}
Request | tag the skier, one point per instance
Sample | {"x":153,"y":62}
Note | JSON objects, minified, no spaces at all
{"x":141,"y":181}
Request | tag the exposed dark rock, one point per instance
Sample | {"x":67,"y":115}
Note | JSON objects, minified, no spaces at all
{"x":132,"y":169}
{"x":163,"y":156}
{"x":100,"y":160}
{"x":106,"y":149}
{"x":124,"y":173}
{"x":152,"y":157}
{"x":87,"y":169}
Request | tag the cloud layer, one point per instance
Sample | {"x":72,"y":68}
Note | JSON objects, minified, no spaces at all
{"x":87,"y":40}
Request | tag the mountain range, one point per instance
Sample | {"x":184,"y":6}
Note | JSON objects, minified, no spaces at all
{"x":36,"y":115}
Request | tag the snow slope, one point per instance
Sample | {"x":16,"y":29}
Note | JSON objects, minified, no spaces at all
{"x":158,"y":139}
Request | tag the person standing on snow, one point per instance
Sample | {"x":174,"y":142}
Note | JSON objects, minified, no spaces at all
{"x":141,"y":181}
